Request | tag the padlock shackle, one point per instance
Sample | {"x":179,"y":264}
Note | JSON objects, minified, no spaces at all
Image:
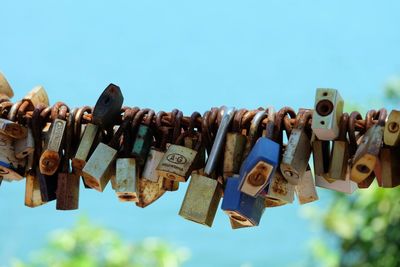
{"x":270,"y":124}
{"x":219,"y":140}
{"x":354,"y":116}
{"x":254,"y":132}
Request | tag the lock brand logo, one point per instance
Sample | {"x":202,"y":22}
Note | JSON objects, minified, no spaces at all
{"x":177,"y":159}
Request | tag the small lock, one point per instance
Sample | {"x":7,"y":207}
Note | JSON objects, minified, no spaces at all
{"x":391,"y":135}
{"x":126,"y":180}
{"x":33,"y":196}
{"x":204,"y":193}
{"x":5,"y":88}
{"x":298,"y":151}
{"x":241,"y":207}
{"x":278,"y":192}
{"x":263,"y":159}
{"x":327,"y":112}
{"x":11,"y":168}
{"x":305,"y":190}
{"x":37,"y":95}
{"x":50,"y":158}
{"x":149,"y":192}
{"x":12,"y":129}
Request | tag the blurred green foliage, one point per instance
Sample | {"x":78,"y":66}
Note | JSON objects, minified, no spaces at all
{"x":362,"y":229}
{"x":88,"y":245}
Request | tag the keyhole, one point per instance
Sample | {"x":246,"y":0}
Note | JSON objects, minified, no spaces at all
{"x":238,"y":218}
{"x":393,"y":127}
{"x":363,"y":168}
{"x":324,"y":107}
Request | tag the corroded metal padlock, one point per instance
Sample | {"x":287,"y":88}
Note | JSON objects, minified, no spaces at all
{"x":33,"y":197}
{"x":144,"y":138}
{"x":177,"y":163}
{"x":12,"y":129}
{"x":149,"y":192}
{"x":68,"y":181}
{"x":391,"y":136}
{"x":327,"y":112}
{"x":10,"y":167}
{"x":241,"y":207}
{"x":204,"y":193}
{"x":105,"y":113}
{"x":50,"y":158}
{"x":101,"y":165}
{"x":5,"y":88}
{"x":321,"y":151}
{"x":127,"y":171}
{"x":263,"y":159}
{"x":234,"y":146}
{"x":298,"y":151}
{"x":367,"y":154}
{"x":305,"y":190}
{"x":389,"y":159}
{"x":338,"y":168}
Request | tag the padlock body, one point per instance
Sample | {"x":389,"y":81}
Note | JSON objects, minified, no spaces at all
{"x":389,"y":159}
{"x":10,"y":167}
{"x":153,"y":159}
{"x":68,"y":191}
{"x":201,"y":200}
{"x":86,"y":144}
{"x":338,"y":168}
{"x":279,"y":191}
{"x":241,"y":207}
{"x":13,"y":129}
{"x":25,"y":146}
{"x":305,"y":190}
{"x":296,"y":156}
{"x":33,"y":196}
{"x":327,"y":112}
{"x":100,"y":167}
{"x":176,"y":164}
{"x":234,"y":148}
{"x":391,"y":135}
{"x":126,"y":180}
{"x":108,"y":107}
{"x":38,"y":95}
{"x":50,"y":158}
{"x":367,"y":154}
{"x":149,"y":191}
{"x":259,"y":166}
{"x":5,"y":87}
{"x":142,"y":144}
{"x":200,"y":160}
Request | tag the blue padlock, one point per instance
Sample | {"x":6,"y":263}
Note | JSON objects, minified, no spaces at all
{"x":263,"y":160}
{"x":241,"y":208}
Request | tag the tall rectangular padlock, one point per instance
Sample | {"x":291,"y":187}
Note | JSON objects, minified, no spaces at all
{"x":327,"y":112}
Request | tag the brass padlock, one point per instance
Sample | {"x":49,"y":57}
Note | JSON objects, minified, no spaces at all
{"x":5,"y":88}
{"x":338,"y":167}
{"x":367,"y":154}
{"x":391,"y":136}
{"x":234,"y":146}
{"x":204,"y":193}
{"x":305,"y":190}
{"x":105,"y":113}
{"x":321,"y":152}
{"x":144,"y":138}
{"x":389,"y":159}
{"x":68,"y":181}
{"x":101,"y":165}
{"x":50,"y":158}
{"x":327,"y":112}
{"x":33,"y":196}
{"x":298,"y":151}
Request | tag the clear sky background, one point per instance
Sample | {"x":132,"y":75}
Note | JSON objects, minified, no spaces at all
{"x":191,"y":55}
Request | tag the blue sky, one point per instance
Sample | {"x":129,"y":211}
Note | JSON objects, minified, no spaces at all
{"x":194,"y":55}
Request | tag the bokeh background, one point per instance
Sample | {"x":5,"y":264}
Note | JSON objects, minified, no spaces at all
{"x":193,"y":56}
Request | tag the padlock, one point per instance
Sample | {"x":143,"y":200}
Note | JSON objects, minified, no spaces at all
{"x":50,"y":158}
{"x":101,"y":165}
{"x":10,"y":167}
{"x":144,"y":139}
{"x":106,"y":111}
{"x":391,"y":136}
{"x":204,"y":193}
{"x":305,"y":189}
{"x":234,"y":146}
{"x":298,"y":151}
{"x":367,"y":154}
{"x":5,"y":88}
{"x":12,"y":129}
{"x":338,"y":168}
{"x":346,"y":186}
{"x":241,"y":207}
{"x":127,"y":171}
{"x":279,"y":191}
{"x":68,"y":181}
{"x":321,"y":152}
{"x":327,"y":112}
{"x":149,"y":192}
{"x":389,"y":159}
{"x":263,"y":160}
{"x":33,"y":196}
{"x":177,"y":162}
{"x":24,"y":147}
{"x":37,"y":95}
